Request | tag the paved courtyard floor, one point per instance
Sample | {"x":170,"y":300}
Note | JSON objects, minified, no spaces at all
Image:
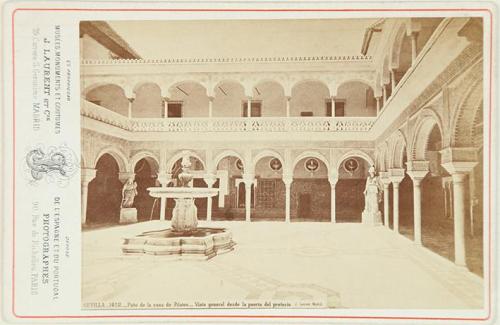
{"x":336,"y":265}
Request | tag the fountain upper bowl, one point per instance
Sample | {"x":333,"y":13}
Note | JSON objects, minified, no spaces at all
{"x":182,"y":192}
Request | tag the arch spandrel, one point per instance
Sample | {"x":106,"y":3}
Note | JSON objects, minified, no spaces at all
{"x":264,"y":154}
{"x":229,"y":153}
{"x":354,"y":153}
{"x":464,"y":117}
{"x":141,"y":155}
{"x":421,"y":130}
{"x":95,"y":85}
{"x":117,"y":154}
{"x":316,"y":79}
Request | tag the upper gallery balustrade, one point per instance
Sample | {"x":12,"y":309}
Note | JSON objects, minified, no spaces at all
{"x":227,"y":124}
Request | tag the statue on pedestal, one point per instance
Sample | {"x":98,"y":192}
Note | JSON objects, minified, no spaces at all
{"x":128,"y":214}
{"x":373,"y":190}
{"x":129,"y":192}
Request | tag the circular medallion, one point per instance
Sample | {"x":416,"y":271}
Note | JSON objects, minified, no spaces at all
{"x":351,"y":165}
{"x":239,"y":164}
{"x":275,"y":164}
{"x":311,"y":164}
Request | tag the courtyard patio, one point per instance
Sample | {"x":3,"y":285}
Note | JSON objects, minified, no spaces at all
{"x":344,"y":265}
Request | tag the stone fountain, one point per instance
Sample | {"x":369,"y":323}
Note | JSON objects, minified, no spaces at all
{"x":185,"y":239}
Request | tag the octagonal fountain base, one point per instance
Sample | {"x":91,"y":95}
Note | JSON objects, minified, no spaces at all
{"x":200,"y":244}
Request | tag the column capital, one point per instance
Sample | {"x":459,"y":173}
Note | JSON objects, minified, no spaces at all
{"x":165,"y":99}
{"x":417,"y":176}
{"x":417,"y":169}
{"x":287,"y":179}
{"x":124,"y":176}
{"x":333,"y":179}
{"x":248,"y":179}
{"x":131,"y":99}
{"x":210,"y":179}
{"x":211,"y":98}
{"x":88,"y":174}
{"x":413,"y":28}
{"x":459,"y":167}
{"x":288,"y":98}
{"x":396,"y":175}
{"x":385,"y":179}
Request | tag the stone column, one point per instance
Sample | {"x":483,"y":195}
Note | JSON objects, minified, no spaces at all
{"x":165,"y":107}
{"x":449,"y":186}
{"x":210,"y":105}
{"x":444,"y":184}
{"x":248,"y":180}
{"x":333,"y":183}
{"x":393,"y":81}
{"x":210,"y":180}
{"x":288,"y":185}
{"x":288,"y":98}
{"x":249,"y":107}
{"x":395,"y":200}
{"x":384,"y":93}
{"x":459,"y":171}
{"x":414,"y":36}
{"x":164,"y":178}
{"x":130,"y":102}
{"x":417,"y":171}
{"x":459,"y":217}
{"x":378,"y":104}
{"x":386,"y":181}
{"x":459,"y":162}
{"x":396,"y":176}
{"x":88,"y":174}
{"x":333,"y":106}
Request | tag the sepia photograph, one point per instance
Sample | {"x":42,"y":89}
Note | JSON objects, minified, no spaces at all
{"x":307,"y":163}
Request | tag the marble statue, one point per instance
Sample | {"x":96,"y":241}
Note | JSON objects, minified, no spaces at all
{"x":371,"y":214}
{"x":129,"y":192}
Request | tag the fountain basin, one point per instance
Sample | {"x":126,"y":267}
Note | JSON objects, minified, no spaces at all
{"x":182,"y":192}
{"x":200,"y":244}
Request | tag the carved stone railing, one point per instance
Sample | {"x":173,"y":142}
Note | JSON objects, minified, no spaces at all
{"x":103,"y":114}
{"x":229,"y":124}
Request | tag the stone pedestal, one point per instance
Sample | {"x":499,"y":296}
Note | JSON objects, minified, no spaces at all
{"x":371,"y":218}
{"x":184,"y":216}
{"x":128,"y":215}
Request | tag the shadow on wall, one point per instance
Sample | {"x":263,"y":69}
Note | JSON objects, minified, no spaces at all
{"x":104,"y":194}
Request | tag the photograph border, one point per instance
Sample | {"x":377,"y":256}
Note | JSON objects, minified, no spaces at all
{"x":487,"y":54}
